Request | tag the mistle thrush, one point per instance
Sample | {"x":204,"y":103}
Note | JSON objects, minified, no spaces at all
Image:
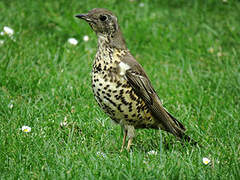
{"x":120,"y":85}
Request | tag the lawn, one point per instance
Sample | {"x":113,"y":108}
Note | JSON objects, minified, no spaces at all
{"x":189,"y":49}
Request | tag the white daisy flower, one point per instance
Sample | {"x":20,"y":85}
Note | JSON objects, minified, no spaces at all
{"x":141,"y":5}
{"x":26,"y":129}
{"x":2,"y":33}
{"x":64,"y":123}
{"x":10,"y":105}
{"x":152,"y":152}
{"x":73,"y":41}
{"x":85,"y":38}
{"x":206,"y":161}
{"x":101,"y":154}
{"x":7,"y":30}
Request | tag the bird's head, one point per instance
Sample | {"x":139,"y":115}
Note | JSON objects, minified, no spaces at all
{"x":102,"y":21}
{"x":105,"y":24}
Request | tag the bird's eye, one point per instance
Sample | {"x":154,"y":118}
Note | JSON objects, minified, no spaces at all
{"x":103,"y":18}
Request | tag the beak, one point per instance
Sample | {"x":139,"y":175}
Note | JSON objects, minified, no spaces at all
{"x":81,"y":16}
{"x":84,"y":17}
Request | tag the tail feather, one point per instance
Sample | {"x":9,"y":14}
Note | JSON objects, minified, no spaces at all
{"x":180,"y":129}
{"x":179,"y":124}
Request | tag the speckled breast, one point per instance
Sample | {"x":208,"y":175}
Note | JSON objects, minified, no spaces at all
{"x":116,"y":97}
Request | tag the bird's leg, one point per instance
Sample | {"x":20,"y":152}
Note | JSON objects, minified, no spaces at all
{"x":129,"y":143}
{"x":130,"y":134}
{"x":124,"y":139}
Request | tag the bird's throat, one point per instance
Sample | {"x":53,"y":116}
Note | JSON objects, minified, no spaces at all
{"x":115,"y":40}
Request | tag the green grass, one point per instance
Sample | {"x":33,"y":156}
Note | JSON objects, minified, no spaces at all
{"x":189,"y":49}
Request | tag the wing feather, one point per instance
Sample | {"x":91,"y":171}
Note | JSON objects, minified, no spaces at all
{"x":141,"y":85}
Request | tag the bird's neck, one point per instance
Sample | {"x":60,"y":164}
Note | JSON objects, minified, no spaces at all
{"x":112,"y":41}
{"x":110,"y":50}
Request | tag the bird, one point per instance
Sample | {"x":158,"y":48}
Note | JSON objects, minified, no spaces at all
{"x":120,"y":85}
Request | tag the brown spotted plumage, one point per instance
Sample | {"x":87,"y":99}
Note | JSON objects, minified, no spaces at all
{"x":120,"y":85}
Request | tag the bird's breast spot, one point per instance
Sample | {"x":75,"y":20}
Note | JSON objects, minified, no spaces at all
{"x":123,"y":67}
